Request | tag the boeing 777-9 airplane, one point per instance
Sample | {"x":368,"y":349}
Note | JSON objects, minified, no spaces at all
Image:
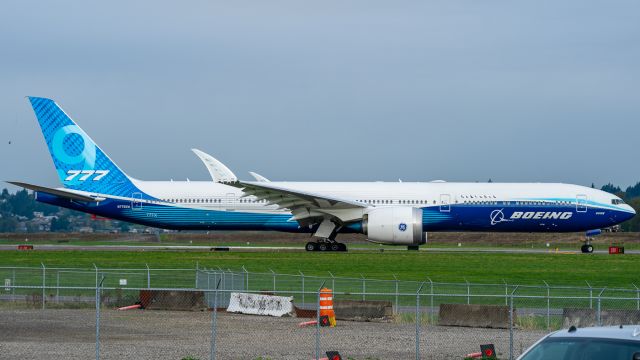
{"x":398,"y":213}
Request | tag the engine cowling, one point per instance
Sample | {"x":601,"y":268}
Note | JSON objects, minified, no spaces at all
{"x":401,"y":225}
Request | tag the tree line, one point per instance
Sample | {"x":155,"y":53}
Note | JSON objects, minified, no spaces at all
{"x":631,"y":195}
{"x":20,"y":207}
{"x":18,"y":214}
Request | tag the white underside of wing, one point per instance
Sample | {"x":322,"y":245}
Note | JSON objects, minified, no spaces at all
{"x":304,"y":204}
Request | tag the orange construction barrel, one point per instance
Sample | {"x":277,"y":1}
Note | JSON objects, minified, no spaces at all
{"x":326,"y":305}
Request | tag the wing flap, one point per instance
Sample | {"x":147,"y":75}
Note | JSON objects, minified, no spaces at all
{"x":302,"y":203}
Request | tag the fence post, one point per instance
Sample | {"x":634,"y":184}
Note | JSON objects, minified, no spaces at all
{"x":274,"y":280}
{"x":197,"y":270}
{"x":468,"y":291}
{"x":418,"y":320}
{"x":98,"y":287}
{"x":511,"y":322}
{"x":148,"y":276}
{"x":590,"y":295}
{"x":246,"y":273}
{"x":96,"y":268}
{"x":599,"y":311}
{"x":364,"y":287}
{"x":58,"y":287}
{"x":44,"y":283}
{"x":302,"y":277}
{"x":318,"y":322}
{"x":214,"y":322}
{"x":431,"y":309}
{"x":637,"y":297}
{"x":548,"y":305}
{"x":224,"y":279}
{"x":506,"y":293}
{"x":395,"y":309}
{"x":13,"y":282}
{"x":333,"y":281}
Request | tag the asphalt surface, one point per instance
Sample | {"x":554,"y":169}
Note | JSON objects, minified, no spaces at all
{"x":68,"y":247}
{"x":144,"y":334}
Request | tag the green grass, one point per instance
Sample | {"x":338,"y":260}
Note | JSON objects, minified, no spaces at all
{"x":556,"y":269}
{"x":538,"y":322}
{"x":479,"y":268}
{"x":410,"y":318}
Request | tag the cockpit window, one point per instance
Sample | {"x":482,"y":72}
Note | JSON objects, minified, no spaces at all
{"x":617,"y":201}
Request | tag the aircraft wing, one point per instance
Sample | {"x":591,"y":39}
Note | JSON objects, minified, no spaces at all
{"x":64,"y":193}
{"x":258,"y":177}
{"x":303,"y":204}
{"x":218,"y":171}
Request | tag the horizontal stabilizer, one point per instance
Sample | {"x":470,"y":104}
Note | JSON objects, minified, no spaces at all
{"x":68,"y":194}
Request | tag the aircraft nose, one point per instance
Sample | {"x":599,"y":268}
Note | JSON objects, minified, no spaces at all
{"x":631,"y":212}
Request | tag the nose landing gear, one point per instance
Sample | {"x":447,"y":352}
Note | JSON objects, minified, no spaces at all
{"x":587,"y":248}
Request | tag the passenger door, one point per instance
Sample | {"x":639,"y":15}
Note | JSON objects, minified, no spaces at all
{"x":581,"y":203}
{"x":136,"y":201}
{"x":230,"y":199}
{"x":445,"y":203}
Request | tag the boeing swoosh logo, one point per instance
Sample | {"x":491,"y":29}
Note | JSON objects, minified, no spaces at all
{"x":497,"y":216}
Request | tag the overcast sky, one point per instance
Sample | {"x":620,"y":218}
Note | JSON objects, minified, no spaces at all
{"x":544,"y":91}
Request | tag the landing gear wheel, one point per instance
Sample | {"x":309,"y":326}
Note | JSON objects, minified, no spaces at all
{"x":587,"y":249}
{"x":325,"y":245}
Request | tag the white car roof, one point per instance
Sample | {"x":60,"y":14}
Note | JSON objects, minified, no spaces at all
{"x":622,"y":332}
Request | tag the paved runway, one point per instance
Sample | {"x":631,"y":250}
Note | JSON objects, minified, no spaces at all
{"x":68,"y":247}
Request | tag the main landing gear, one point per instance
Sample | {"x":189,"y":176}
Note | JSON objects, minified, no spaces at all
{"x":325,"y":245}
{"x":326,"y":234}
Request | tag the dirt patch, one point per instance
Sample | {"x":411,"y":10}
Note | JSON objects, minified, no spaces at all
{"x":70,"y":334}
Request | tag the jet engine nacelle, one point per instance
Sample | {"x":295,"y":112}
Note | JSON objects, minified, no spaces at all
{"x":401,"y":225}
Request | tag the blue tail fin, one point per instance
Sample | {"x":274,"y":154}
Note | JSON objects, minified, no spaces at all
{"x":80,"y":163}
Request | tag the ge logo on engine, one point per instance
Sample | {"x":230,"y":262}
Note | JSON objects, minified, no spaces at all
{"x":402,"y":227}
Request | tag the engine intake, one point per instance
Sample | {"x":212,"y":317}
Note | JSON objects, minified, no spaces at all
{"x":394,"y":225}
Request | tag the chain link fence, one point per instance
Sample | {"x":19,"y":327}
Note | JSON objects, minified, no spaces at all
{"x":207,"y":313}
